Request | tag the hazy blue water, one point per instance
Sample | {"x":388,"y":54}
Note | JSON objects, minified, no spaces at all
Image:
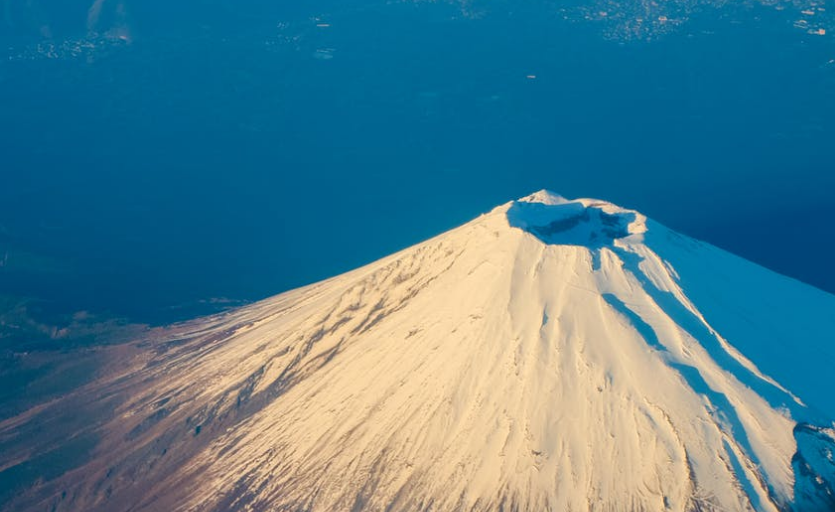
{"x":238,"y":150}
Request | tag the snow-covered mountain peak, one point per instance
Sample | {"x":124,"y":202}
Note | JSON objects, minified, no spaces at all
{"x":554,"y":354}
{"x":544,"y":196}
{"x":584,"y":222}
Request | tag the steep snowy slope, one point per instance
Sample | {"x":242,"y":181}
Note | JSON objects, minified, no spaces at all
{"x":550,"y":355}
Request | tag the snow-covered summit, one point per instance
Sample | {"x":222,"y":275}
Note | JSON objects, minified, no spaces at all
{"x":553,"y":354}
{"x":543,"y":196}
{"x":586,"y":222}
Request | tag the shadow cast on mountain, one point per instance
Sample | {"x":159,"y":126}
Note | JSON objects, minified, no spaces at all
{"x":724,"y":413}
{"x":570,"y":223}
{"x":717,"y":348}
{"x":813,"y":463}
{"x":814,"y":468}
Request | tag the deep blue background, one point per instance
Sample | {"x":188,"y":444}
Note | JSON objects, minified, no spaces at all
{"x":222,"y":154}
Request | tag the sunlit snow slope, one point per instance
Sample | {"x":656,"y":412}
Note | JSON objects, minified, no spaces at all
{"x":549,"y":355}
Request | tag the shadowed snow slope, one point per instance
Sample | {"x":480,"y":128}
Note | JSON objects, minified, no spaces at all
{"x":549,"y":355}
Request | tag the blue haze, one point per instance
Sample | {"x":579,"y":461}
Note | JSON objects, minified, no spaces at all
{"x":238,"y":149}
